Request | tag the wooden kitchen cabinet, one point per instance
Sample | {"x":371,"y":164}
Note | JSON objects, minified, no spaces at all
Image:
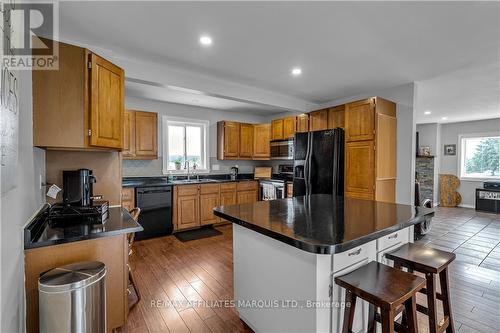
{"x":261,"y":140}
{"x":80,"y":105}
{"x":209,"y":198}
{"x":359,"y":171}
{"x":336,"y":116}
{"x":128,"y":198}
{"x":303,"y":123}
{"x":228,"y":140}
{"x":247,"y":191}
{"x":360,"y":120}
{"x":246,"y":141}
{"x":141,"y":136}
{"x":318,"y":120}
{"x":187,"y":210}
{"x":277,"y":129}
{"x":289,"y":127}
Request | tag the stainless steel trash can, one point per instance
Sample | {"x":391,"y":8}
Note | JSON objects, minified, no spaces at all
{"x":72,"y":298}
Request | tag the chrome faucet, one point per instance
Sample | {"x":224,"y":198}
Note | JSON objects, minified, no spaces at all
{"x":186,"y":166}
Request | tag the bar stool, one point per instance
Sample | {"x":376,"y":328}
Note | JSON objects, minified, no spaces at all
{"x":431,"y":262}
{"x":385,"y":287}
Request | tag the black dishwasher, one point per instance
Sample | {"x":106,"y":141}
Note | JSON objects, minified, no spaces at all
{"x":156,"y":211}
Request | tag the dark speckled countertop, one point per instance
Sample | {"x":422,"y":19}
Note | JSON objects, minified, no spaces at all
{"x":181,"y":180}
{"x":323,"y":223}
{"x":40,"y":233}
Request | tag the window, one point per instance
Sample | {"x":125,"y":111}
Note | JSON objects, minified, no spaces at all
{"x":184,"y":140}
{"x":480,"y":156}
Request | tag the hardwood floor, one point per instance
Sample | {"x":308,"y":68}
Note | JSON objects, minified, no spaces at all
{"x":184,"y":285}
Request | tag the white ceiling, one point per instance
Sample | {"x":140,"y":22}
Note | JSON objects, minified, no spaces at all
{"x":343,"y":48}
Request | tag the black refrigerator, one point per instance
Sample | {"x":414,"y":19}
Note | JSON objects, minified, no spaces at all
{"x":318,"y":163}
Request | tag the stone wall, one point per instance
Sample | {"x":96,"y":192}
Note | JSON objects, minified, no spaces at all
{"x":425,"y":176}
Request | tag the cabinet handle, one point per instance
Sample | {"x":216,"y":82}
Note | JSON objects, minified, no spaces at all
{"x":393,"y":236}
{"x":354,"y":253}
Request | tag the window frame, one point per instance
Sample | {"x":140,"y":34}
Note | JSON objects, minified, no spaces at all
{"x":204,"y":124}
{"x":461,"y":156}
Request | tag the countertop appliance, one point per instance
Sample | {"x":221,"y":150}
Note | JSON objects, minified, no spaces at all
{"x":233,"y":171}
{"x":318,"y":166}
{"x":274,"y":187}
{"x":156,"y":211}
{"x":78,"y":187}
{"x":282,"y":149}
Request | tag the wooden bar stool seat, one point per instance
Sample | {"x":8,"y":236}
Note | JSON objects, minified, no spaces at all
{"x":430,"y":262}
{"x":386,"y":288}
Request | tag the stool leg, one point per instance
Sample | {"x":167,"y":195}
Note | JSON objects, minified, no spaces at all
{"x":411,"y":314}
{"x":349,"y":311}
{"x":372,"y":324}
{"x":387,"y":321}
{"x":445,"y":293}
{"x":431,"y":302}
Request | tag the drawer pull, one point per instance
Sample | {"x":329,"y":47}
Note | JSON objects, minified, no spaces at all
{"x":354,"y":253}
{"x":393,"y":236}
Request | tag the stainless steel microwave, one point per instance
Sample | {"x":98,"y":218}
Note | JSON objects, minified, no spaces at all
{"x":282,"y":150}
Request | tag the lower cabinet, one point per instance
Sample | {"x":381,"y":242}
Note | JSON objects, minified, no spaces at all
{"x":194,"y":204}
{"x":128,"y":200}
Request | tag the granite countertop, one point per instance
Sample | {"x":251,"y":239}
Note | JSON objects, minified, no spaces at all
{"x":181,"y":180}
{"x":323,"y":223}
{"x":39,"y":233}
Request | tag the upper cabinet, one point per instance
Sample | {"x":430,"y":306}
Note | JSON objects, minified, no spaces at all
{"x":228,"y":140}
{"x":80,"y":105}
{"x":283,"y":128}
{"x":303,"y":123}
{"x":336,"y":116}
{"x":318,"y":120}
{"x":246,"y":141}
{"x":277,"y":129}
{"x":140,"y":140}
{"x":261,"y":139}
{"x":360,"y":120}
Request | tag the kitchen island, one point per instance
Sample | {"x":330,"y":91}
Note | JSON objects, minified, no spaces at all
{"x":286,"y":253}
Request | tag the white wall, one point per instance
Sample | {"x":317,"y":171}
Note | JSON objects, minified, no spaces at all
{"x":17,"y":206}
{"x":153,"y":168}
{"x":403,"y":96}
{"x":449,"y":164}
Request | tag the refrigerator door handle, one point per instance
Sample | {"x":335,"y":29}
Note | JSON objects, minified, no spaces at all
{"x":306,"y":166}
{"x":311,"y":147}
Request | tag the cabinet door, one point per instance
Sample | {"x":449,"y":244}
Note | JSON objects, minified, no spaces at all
{"x":207,"y":204}
{"x":289,"y":127}
{"x":228,"y":198}
{"x":106,"y":104}
{"x":303,"y":123}
{"x":188,"y":211}
{"x":261,"y":138}
{"x":360,"y":169}
{"x":277,"y":129}
{"x":247,"y":196}
{"x":336,"y":117}
{"x":360,"y":120}
{"x":246,"y":141}
{"x":146,"y":137}
{"x":318,"y":120}
{"x":129,"y":134}
{"x":231,"y":138}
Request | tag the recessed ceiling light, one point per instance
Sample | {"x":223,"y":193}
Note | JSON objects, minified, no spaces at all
{"x":296,"y":71}
{"x":427,"y":112}
{"x":205,"y":40}
{"x":444,"y":118}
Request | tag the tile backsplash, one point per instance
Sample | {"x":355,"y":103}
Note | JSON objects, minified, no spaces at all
{"x":152,"y":168}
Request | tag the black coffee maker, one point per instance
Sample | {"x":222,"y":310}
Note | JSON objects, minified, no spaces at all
{"x":78,"y":187}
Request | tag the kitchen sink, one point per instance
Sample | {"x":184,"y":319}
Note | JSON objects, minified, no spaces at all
{"x":195,"y":181}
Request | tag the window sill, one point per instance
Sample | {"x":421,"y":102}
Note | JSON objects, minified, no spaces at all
{"x":479,"y":180}
{"x":183,"y":172}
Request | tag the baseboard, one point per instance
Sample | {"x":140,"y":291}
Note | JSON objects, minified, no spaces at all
{"x":466,"y":206}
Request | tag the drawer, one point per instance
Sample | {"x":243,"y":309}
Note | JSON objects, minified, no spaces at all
{"x":354,"y":256}
{"x":187,"y":190}
{"x":247,"y":185}
{"x":209,"y":188}
{"x":228,"y":187}
{"x":127,"y":194}
{"x":398,"y":237}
